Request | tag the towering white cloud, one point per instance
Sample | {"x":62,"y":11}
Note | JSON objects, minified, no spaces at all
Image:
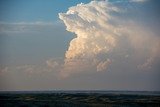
{"x":94,"y":36}
{"x":100,"y":29}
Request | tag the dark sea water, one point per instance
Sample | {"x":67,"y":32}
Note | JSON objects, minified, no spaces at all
{"x":73,"y":98}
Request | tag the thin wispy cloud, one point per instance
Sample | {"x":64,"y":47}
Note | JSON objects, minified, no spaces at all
{"x":21,"y":27}
{"x":139,"y":1}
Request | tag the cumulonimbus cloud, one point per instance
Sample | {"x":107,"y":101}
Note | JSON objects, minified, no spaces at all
{"x":99,"y":28}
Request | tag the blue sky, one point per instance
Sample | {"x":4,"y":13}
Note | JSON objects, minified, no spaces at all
{"x":27,"y":46}
{"x":33,"y":10}
{"x":34,"y":42}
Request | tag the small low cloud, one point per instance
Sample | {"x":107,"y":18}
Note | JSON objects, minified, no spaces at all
{"x":102,"y":66}
{"x":52,"y":63}
{"x":3,"y":69}
{"x":154,"y":55}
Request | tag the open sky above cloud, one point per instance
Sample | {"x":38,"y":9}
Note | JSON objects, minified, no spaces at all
{"x":109,"y":45}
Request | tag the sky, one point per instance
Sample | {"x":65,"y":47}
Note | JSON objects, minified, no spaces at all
{"x":79,"y":45}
